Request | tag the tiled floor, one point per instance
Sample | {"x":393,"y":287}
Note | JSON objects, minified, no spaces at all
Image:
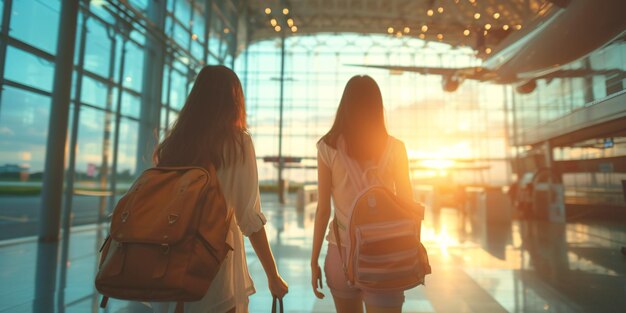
{"x":516,"y":267}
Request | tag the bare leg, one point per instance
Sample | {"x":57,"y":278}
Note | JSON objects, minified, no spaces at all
{"x":343,"y":305}
{"x":378,"y":309}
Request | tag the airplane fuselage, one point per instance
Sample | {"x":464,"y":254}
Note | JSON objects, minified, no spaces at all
{"x":563,"y":36}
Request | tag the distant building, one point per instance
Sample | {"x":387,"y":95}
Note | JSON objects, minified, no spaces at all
{"x":13,"y":169}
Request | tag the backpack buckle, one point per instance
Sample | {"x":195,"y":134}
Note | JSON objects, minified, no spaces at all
{"x":172,"y":218}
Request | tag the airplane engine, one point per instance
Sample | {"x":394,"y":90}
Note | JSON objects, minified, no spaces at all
{"x":450,"y":84}
{"x":527,"y":87}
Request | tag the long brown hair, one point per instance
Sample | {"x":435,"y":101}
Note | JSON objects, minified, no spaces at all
{"x":360,"y":119}
{"x":210,"y":124}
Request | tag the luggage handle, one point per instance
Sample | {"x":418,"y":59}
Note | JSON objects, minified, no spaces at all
{"x":280,"y":302}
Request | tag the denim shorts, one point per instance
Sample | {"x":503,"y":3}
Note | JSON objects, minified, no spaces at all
{"x":338,"y":284}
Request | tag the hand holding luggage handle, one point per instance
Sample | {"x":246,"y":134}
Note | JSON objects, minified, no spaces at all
{"x":280,"y":304}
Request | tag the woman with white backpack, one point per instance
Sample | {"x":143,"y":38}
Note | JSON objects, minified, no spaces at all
{"x":372,"y":258}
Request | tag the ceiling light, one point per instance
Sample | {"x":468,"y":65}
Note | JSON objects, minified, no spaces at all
{"x":505,"y":27}
{"x":226,"y":30}
{"x":496,"y":15}
{"x":399,"y":34}
{"x":268,"y":10}
{"x":440,"y":36}
{"x":285,"y":11}
{"x":440,"y":9}
{"x":422,"y":36}
{"x":194,"y":37}
{"x":273,"y":22}
{"x":487,"y":26}
{"x":466,"y":32}
{"x":519,"y":26}
{"x":488,"y":50}
{"x":476,"y":16}
{"x":406,"y":29}
{"x":485,"y":33}
{"x":424,"y":28}
{"x":277,"y":28}
{"x":294,"y":28}
{"x":390,"y":30}
{"x":430,"y":12}
{"x":290,"y":22}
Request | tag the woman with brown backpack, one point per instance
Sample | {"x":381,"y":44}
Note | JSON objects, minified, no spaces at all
{"x":211,"y":130}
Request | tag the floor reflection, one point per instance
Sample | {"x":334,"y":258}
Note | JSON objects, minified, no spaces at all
{"x":520,"y":266}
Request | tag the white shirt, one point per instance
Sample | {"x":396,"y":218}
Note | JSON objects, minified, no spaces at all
{"x":344,"y":192}
{"x":232,"y":285}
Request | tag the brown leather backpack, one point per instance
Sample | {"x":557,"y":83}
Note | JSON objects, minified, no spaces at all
{"x":167,"y":237}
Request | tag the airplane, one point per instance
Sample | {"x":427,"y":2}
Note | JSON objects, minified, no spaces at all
{"x":569,"y":31}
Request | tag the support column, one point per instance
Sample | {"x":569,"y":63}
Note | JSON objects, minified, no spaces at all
{"x":71,"y":164}
{"x":154,"y":61}
{"x":51,"y":194}
{"x":281,"y":184}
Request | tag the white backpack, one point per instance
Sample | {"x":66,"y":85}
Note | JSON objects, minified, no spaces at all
{"x":384,"y":251}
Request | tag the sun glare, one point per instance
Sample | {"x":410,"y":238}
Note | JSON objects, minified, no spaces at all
{"x":439,"y":164}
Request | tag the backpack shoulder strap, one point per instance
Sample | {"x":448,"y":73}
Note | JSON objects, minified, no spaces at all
{"x":351,"y":166}
{"x":382,"y":163}
{"x":384,"y":159}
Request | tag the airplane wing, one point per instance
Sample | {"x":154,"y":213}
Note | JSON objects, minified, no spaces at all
{"x":475,"y":73}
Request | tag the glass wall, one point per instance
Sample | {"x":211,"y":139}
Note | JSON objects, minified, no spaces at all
{"x":107,"y":103}
{"x":560,"y":97}
{"x":556,"y":98}
{"x":464,"y":130}
{"x":106,"y":88}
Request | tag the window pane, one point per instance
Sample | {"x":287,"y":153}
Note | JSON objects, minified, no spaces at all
{"x":23,"y":133}
{"x":93,"y":92}
{"x":198,"y":25}
{"x":27,"y":69}
{"x":98,"y":49}
{"x":36,"y":23}
{"x":197,"y":50}
{"x":177,"y":96}
{"x":89,"y":156}
{"x":133,"y":67}
{"x":181,"y":36}
{"x":140,"y":4}
{"x":183,"y":11}
{"x":127,"y":152}
{"x":131,"y":105}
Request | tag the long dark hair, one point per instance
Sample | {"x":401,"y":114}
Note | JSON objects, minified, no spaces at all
{"x":360,"y":119}
{"x":211,"y":123}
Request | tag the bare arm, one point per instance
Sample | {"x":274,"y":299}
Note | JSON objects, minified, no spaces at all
{"x":261,"y":246}
{"x":322,"y":215}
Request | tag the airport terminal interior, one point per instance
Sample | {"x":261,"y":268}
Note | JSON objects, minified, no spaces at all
{"x":513,"y":114}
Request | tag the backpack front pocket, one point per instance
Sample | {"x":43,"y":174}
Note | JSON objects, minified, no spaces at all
{"x":387,"y":253}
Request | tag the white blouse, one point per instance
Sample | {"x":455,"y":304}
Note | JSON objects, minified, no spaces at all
{"x":232,"y":285}
{"x":343,"y":191}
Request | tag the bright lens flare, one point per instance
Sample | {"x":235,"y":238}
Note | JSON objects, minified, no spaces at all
{"x":439,"y":164}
